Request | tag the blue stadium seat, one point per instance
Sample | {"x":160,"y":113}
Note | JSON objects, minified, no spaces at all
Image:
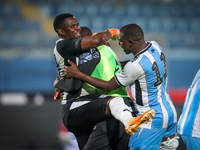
{"x":174,"y":40}
{"x":2,"y":11}
{"x":190,"y":10}
{"x":35,"y":26}
{"x":98,"y":24}
{"x":8,"y":25}
{"x":127,"y":20}
{"x":133,"y":9}
{"x":162,"y":10}
{"x":84,"y":21}
{"x":168,"y":24}
{"x":79,"y":11}
{"x":147,"y":10}
{"x":194,"y":25}
{"x":15,"y":11}
{"x":176,"y":10}
{"x":91,"y":9}
{"x":4,"y":40}
{"x":47,"y":10}
{"x":113,"y":22}
{"x":24,"y":25}
{"x":142,"y":22}
{"x":182,"y":25}
{"x":119,"y":10}
{"x":154,"y":24}
{"x":105,"y":9}
{"x":65,"y":8}
{"x":189,"y":41}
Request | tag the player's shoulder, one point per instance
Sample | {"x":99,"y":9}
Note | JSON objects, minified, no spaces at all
{"x":153,"y":42}
{"x":136,"y":59}
{"x":133,"y":63}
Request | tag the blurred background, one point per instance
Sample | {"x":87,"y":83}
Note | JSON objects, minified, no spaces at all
{"x":30,"y":118}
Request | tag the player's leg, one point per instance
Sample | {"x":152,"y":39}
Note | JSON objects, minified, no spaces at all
{"x":146,"y":139}
{"x":98,"y":139}
{"x":191,"y":143}
{"x":123,"y":113}
{"x":82,"y":114}
{"x":170,"y":140}
{"x":118,"y":138}
{"x":110,"y":134}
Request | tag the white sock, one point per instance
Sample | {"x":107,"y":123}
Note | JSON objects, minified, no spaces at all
{"x":120,"y":110}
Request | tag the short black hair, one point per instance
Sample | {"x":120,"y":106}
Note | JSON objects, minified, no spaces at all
{"x":59,"y":19}
{"x":132,"y":31}
{"x":85,"y":31}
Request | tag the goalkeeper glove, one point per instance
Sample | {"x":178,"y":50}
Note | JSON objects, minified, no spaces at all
{"x":114,"y":33}
{"x":57,"y":94}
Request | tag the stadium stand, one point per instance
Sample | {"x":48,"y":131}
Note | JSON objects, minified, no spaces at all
{"x":30,"y":24}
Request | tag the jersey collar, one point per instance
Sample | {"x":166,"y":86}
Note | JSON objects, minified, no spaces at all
{"x":144,"y":50}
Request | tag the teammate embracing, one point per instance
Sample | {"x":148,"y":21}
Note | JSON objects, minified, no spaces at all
{"x":146,"y":74}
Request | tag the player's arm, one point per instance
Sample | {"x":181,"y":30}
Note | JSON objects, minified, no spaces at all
{"x":123,"y":63}
{"x":98,"y":39}
{"x":73,"y":71}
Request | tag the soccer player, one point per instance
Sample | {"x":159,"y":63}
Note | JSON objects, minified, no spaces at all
{"x":146,"y":73}
{"x":81,"y":113}
{"x":189,"y":121}
{"x":109,"y":134}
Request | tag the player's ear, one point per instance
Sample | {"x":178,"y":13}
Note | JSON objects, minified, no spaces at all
{"x":130,"y":43}
{"x":61,"y":32}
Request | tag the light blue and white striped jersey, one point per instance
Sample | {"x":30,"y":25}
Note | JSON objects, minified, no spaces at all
{"x":189,"y":121}
{"x":146,"y":74}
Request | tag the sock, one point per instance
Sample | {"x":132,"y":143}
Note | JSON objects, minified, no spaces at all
{"x":120,"y":110}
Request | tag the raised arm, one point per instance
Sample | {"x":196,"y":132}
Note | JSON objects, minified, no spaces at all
{"x":73,"y":71}
{"x":98,"y":39}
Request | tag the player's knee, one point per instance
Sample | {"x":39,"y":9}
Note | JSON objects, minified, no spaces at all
{"x":170,"y":144}
{"x":108,"y":112}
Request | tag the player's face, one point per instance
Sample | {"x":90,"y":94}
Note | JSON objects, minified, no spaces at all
{"x":71,"y":28}
{"x":124,"y":43}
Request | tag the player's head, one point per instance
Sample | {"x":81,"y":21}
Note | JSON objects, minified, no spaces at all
{"x":66,"y":25}
{"x":129,"y":35}
{"x":85,"y":31}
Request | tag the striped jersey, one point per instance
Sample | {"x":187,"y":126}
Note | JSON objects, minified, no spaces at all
{"x":146,"y":74}
{"x":189,"y":120}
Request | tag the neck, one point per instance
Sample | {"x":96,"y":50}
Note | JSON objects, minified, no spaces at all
{"x":140,"y":47}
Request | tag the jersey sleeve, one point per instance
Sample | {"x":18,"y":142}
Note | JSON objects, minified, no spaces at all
{"x":131,"y":72}
{"x":70,"y":46}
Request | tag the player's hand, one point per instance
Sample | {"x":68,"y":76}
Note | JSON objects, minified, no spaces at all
{"x":71,"y":71}
{"x":114,"y":33}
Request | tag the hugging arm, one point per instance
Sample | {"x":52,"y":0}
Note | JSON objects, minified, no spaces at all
{"x":73,"y":71}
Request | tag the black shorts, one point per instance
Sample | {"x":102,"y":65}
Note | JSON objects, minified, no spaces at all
{"x":110,"y":134}
{"x":82,"y":114}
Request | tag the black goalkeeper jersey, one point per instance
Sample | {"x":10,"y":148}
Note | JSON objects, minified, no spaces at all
{"x":70,"y":49}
